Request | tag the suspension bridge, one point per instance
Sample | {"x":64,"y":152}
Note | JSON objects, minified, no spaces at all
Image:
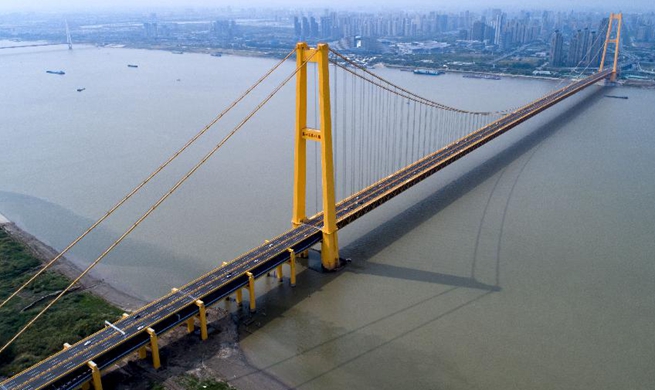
{"x":68,"y":42}
{"x":402,"y":139}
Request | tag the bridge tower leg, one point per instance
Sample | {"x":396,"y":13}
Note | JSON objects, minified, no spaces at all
{"x":239,"y":297}
{"x":318,"y":55}
{"x":616,"y":41}
{"x":69,"y":41}
{"x":292,"y":267}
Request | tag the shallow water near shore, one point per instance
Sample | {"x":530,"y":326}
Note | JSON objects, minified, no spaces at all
{"x":527,"y":264}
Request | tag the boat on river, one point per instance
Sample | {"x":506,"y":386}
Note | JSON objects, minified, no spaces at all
{"x":482,"y":76}
{"x":427,"y":72}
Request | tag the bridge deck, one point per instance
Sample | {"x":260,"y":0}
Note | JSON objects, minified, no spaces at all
{"x":32,"y":45}
{"x":67,"y":369}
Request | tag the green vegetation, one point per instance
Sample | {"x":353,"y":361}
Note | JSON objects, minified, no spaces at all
{"x":74,"y":317}
{"x":157,"y":386}
{"x":190,"y":382}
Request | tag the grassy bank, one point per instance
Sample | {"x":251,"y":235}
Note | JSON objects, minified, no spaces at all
{"x":75,"y":316}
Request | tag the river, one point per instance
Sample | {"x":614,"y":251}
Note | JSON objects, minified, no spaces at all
{"x":557,"y":215}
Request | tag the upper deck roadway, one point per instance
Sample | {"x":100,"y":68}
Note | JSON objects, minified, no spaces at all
{"x":68,"y":369}
{"x":32,"y":45}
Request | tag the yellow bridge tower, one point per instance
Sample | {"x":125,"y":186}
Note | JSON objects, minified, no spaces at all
{"x":318,"y":55}
{"x":616,"y":41}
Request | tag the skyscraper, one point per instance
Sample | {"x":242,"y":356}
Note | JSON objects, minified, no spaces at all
{"x":556,"y":49}
{"x":594,"y":49}
{"x":296,"y":27}
{"x":477,"y":32}
{"x":500,"y":28}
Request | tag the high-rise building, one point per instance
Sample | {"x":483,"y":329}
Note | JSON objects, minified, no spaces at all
{"x":556,"y":49}
{"x":326,"y":27}
{"x":489,"y":34}
{"x":595,"y":49}
{"x":477,"y":32}
{"x":575,"y":49}
{"x":500,"y":26}
{"x":306,"y":30}
{"x":313,"y":27}
{"x":297,"y":29}
{"x":223,"y":29}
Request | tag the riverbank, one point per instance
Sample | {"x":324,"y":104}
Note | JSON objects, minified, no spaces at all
{"x":76,"y":315}
{"x":95,"y":286}
{"x":213,"y":362}
{"x":278,"y":53}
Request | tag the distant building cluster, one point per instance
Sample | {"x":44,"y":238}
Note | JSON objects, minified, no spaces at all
{"x":584,"y":48}
{"x":575,"y":39}
{"x":506,"y":33}
{"x":552,"y":39}
{"x":224,"y":29}
{"x":493,"y":27}
{"x":645,"y":30}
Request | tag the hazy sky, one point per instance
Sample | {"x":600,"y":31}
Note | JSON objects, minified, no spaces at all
{"x":53,"y":5}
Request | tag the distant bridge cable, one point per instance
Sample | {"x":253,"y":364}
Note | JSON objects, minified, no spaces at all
{"x":405,"y":93}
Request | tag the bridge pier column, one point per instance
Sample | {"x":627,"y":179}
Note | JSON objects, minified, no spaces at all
{"x":95,"y":374}
{"x":279,"y":273}
{"x":251,"y":292}
{"x":202,"y":313}
{"x":292,"y":267}
{"x":190,"y":325}
{"x":154,"y":348}
{"x":142,"y":353}
{"x":239,"y":297}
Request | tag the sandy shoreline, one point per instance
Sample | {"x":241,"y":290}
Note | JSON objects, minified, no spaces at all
{"x":93,"y":285}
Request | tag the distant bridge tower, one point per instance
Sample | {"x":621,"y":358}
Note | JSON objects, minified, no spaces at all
{"x":616,"y":41}
{"x":319,"y":55}
{"x":68,"y":37}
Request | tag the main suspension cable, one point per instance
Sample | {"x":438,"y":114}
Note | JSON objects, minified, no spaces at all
{"x":144,"y":182}
{"x":159,"y":202}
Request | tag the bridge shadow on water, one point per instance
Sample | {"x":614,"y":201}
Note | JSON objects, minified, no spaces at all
{"x":370,"y":244}
{"x":278,"y":300}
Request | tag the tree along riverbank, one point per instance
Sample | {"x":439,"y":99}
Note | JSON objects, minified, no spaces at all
{"x":77,"y":315}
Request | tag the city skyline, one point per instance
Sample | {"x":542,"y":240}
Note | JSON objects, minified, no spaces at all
{"x":583,"y":5}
